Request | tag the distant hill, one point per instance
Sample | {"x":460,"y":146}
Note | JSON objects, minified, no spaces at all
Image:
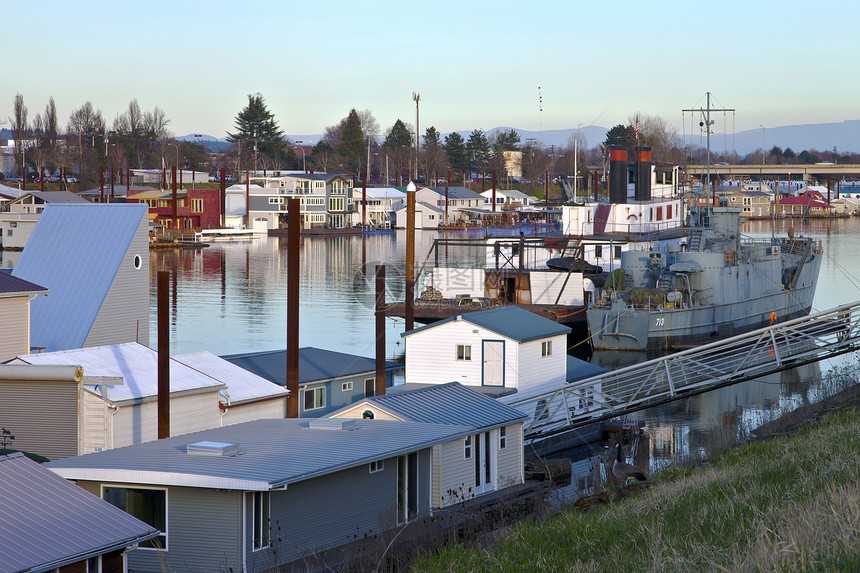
{"x":844,"y":136}
{"x":215,"y":144}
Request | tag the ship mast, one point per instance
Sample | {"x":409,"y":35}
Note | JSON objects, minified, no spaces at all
{"x":707,"y":122}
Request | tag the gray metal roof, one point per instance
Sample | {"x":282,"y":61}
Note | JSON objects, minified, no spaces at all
{"x":450,"y":403}
{"x":242,"y":385}
{"x":315,"y":364}
{"x":48,"y":522}
{"x":510,"y":321}
{"x":12,"y":285}
{"x":138,"y":366}
{"x":55,"y":197}
{"x":457,"y":193}
{"x":76,"y":251}
{"x":272,"y":453}
{"x":580,"y":369}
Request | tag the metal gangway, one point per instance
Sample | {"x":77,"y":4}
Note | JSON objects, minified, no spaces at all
{"x":729,"y":361}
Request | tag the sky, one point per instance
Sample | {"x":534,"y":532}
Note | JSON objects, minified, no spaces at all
{"x":534,"y":65}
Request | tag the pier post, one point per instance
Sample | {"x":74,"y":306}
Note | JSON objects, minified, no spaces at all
{"x":173,"y":176}
{"x":223,"y":177}
{"x":163,"y":355}
{"x":379,"y":390}
{"x":410,"y":256}
{"x":293,"y":308}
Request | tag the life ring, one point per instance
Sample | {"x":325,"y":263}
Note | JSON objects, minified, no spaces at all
{"x":772,"y":316}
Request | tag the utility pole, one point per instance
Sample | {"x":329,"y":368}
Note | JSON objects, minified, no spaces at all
{"x":416,"y":97}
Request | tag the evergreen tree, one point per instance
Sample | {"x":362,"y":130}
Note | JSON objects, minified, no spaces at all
{"x":479,"y":150}
{"x":256,"y":123}
{"x":621,"y":136}
{"x":507,"y":141}
{"x":455,"y":147}
{"x":351,"y":147}
{"x":431,"y":137}
{"x":398,"y":137}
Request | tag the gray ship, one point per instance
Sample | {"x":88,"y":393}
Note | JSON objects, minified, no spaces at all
{"x":718,"y":284}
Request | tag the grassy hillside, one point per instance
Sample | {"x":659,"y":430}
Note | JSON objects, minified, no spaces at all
{"x":787,"y":504}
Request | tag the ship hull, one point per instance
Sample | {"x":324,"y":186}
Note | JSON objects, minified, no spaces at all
{"x":622,"y":327}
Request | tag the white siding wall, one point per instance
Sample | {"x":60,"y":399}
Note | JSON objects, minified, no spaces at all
{"x":510,"y":460}
{"x":457,"y":481}
{"x":258,"y":411}
{"x":95,"y":424}
{"x":535,"y":369}
{"x":546,"y":287}
{"x":431,"y":355}
{"x":15,"y":332}
{"x":139,"y":423}
{"x":124,"y":315}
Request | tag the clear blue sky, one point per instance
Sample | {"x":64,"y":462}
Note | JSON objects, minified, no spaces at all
{"x":476,"y":64}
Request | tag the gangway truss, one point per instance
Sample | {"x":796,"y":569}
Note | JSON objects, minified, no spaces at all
{"x":744,"y":357}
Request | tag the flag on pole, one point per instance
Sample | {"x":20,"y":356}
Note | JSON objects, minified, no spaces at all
{"x":637,"y":129}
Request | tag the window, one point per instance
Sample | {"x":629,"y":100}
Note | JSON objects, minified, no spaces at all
{"x":369,"y":387}
{"x":148,"y":505}
{"x":668,"y":211}
{"x":163,"y":203}
{"x":335,"y":204}
{"x":617,"y":252}
{"x":598,"y":251}
{"x":197,"y":205}
{"x":659,"y":213}
{"x":467,"y":448}
{"x":375,"y":466}
{"x":503,"y":438}
{"x":276,"y":200}
{"x":261,"y":520}
{"x":315,"y":398}
{"x":367,"y":415}
{"x":8,"y":232}
{"x":346,"y":386}
{"x":464,"y":352}
{"x":541,"y":412}
{"x":546,"y":348}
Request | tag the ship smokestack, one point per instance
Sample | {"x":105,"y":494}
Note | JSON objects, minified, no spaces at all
{"x":618,"y":175}
{"x":643,"y":176}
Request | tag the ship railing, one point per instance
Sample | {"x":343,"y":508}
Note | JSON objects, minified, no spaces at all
{"x":744,"y":357}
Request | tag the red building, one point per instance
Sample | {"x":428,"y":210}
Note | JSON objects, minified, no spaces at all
{"x":195,"y":209}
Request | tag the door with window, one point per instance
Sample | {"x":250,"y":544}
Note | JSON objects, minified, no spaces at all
{"x":494,"y":363}
{"x":484,"y":471}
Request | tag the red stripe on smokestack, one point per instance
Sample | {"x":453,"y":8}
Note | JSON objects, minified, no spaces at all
{"x":618,"y":155}
{"x":644,"y":156}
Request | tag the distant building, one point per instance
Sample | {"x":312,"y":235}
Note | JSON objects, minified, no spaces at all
{"x":195,"y":208}
{"x":382,"y":205}
{"x":325,"y":199}
{"x":328,"y":380}
{"x":17,"y":225}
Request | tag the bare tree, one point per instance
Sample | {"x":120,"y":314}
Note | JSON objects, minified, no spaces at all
{"x":20,"y":127}
{"x":663,"y":139}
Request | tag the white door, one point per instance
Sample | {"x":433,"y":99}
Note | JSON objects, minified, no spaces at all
{"x":484,"y":466}
{"x":494,"y":362}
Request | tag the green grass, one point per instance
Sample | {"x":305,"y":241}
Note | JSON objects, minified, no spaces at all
{"x":787,"y":504}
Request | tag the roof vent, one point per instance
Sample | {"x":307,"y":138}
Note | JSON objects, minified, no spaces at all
{"x":332,"y":424}
{"x":212,"y":449}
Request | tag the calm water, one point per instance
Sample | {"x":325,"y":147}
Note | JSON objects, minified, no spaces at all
{"x":231,"y":298}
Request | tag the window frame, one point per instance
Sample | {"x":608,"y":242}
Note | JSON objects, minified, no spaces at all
{"x":164,"y":537}
{"x":376,"y":466}
{"x":346,"y":386}
{"x":503,"y":438}
{"x":467,"y":448}
{"x":260,"y":532}
{"x":372,"y":383}
{"x":464,"y":352}
{"x":313,"y":392}
{"x":546,"y":348}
